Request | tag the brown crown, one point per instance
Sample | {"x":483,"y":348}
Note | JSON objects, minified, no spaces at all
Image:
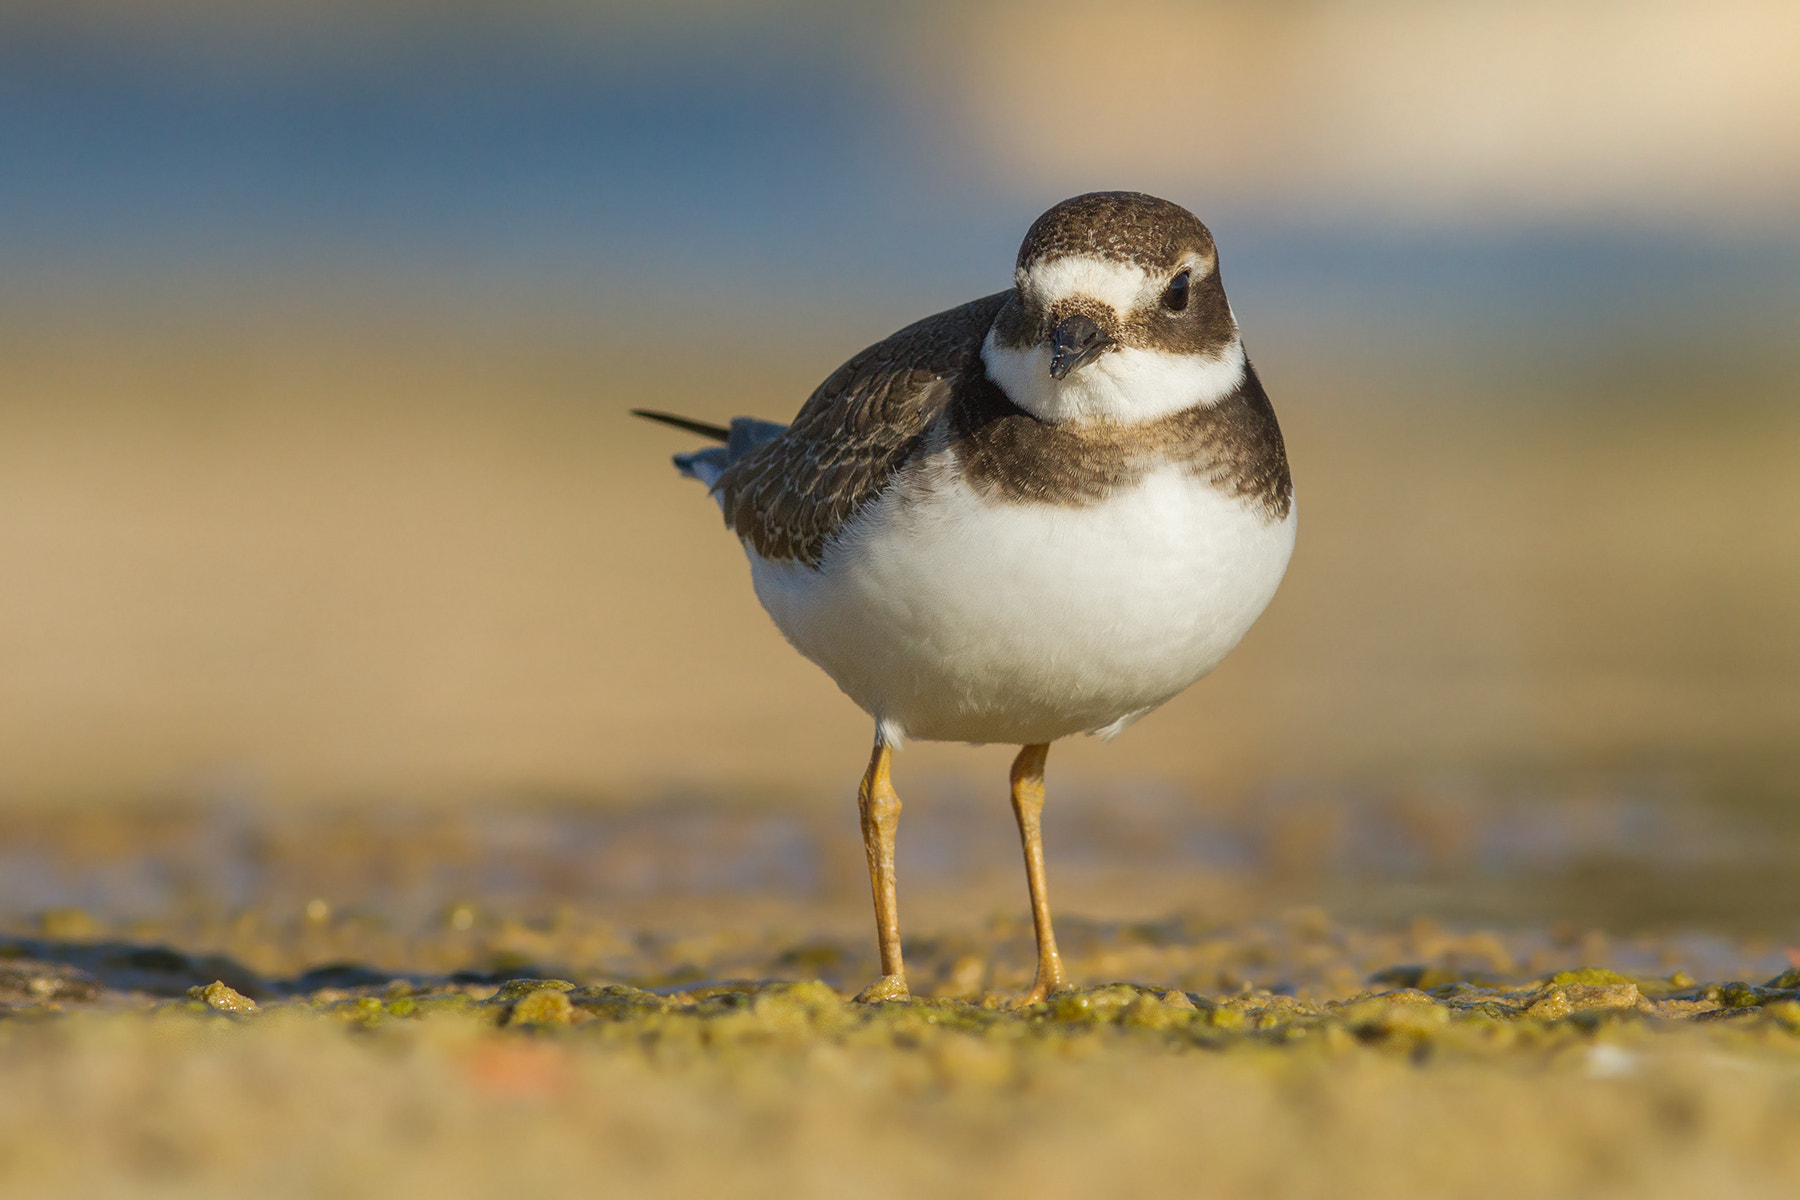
{"x":1121,"y":226}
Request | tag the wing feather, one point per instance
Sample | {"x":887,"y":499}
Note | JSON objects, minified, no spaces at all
{"x":789,"y":496}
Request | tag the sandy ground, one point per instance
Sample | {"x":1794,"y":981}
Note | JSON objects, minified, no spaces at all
{"x":793,"y":1093}
{"x":374,"y":675}
{"x":1373,"y":1061}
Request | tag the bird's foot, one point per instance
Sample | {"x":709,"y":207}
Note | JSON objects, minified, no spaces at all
{"x":888,"y":987}
{"x":1043,"y":989}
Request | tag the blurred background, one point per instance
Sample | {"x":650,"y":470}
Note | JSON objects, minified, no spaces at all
{"x":319,"y":321}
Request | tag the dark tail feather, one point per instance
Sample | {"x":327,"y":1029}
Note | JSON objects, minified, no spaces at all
{"x":717,"y":433}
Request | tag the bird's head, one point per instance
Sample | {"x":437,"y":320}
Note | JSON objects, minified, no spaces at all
{"x":1117,"y":314}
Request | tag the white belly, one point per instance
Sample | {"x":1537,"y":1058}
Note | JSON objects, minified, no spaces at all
{"x":952,"y":618}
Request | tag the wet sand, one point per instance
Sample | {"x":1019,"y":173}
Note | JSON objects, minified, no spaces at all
{"x":656,"y":1000}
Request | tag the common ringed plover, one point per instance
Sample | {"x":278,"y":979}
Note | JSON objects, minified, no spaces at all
{"x":1041,"y":513}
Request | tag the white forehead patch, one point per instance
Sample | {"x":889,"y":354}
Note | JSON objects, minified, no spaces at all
{"x":1122,"y":285}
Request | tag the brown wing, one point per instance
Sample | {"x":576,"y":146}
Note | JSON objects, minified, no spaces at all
{"x":790,"y":496}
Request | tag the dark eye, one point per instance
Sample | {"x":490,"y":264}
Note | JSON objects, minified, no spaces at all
{"x":1175,"y":299}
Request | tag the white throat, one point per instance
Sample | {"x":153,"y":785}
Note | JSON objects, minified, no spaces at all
{"x":1124,"y":386}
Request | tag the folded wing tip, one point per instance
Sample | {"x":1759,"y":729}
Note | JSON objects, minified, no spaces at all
{"x":717,"y":433}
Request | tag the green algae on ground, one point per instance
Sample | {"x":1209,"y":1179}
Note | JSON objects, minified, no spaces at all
{"x":455,"y":1087}
{"x":792,"y":1089}
{"x":526,"y":1033}
{"x":221,"y":998}
{"x":744,"y":1017}
{"x":544,"y":1006}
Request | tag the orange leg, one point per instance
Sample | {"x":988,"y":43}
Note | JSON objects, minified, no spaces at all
{"x":1028,"y":807}
{"x":880,"y":808}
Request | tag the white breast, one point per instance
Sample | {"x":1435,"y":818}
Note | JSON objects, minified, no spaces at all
{"x":952,"y":617}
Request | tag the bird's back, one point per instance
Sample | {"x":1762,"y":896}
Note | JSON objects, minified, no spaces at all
{"x":788,"y":496}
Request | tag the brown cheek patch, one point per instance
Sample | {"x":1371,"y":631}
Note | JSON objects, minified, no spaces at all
{"x":1204,"y":327}
{"x":1018,"y":325}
